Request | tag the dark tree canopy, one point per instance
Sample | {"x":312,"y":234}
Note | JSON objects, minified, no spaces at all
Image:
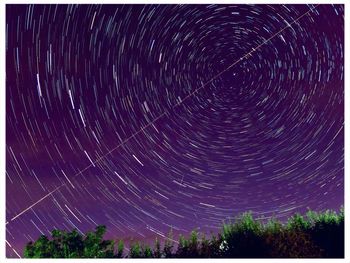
{"x":73,"y":245}
{"x":314,"y":235}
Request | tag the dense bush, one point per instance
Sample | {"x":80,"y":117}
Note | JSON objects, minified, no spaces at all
{"x":310,"y":236}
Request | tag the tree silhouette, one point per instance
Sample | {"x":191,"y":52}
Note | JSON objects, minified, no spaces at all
{"x":244,"y":238}
{"x":71,"y":245}
{"x":169,"y":245}
{"x":314,"y":235}
{"x":135,"y":250}
{"x":157,"y":251}
{"x":120,"y":249}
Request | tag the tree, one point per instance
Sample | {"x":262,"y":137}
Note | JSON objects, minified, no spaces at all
{"x":327,"y":232}
{"x":95,"y":246}
{"x":146,"y":252}
{"x":291,"y":244}
{"x":120,"y":249}
{"x":244,"y":238}
{"x":169,"y":245}
{"x":298,"y":223}
{"x":193,"y":245}
{"x":204,"y":250}
{"x":313,"y":235}
{"x":40,"y":249}
{"x":157,"y":251}
{"x":71,"y":245}
{"x":74,"y":245}
{"x":92,"y":243}
{"x":135,"y":250}
{"x":58,"y":237}
{"x":183,"y":248}
{"x":29,"y":250}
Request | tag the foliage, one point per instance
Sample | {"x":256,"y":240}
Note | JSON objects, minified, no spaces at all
{"x":120,"y":249}
{"x":147,"y":252}
{"x":327,"y":232}
{"x":169,"y":245}
{"x":291,"y":244}
{"x":314,"y":235}
{"x":135,"y":250}
{"x":244,"y":238}
{"x":157,"y":250}
{"x":71,"y":245}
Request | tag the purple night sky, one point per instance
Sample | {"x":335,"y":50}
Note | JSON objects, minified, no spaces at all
{"x":147,"y":117}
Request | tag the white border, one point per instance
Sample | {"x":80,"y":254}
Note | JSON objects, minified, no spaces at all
{"x":3,"y":118}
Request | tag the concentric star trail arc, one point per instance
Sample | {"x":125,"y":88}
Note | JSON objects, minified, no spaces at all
{"x":177,"y":104}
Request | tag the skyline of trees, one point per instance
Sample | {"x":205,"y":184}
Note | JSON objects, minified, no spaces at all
{"x":309,"y":236}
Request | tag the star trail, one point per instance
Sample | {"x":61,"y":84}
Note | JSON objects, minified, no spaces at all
{"x":150,"y":117}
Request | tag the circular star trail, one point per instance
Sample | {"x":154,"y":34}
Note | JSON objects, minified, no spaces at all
{"x":147,"y":117}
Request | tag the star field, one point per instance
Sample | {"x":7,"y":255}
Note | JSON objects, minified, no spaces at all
{"x":147,"y":117}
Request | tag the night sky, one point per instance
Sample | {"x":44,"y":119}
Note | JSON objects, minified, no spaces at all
{"x":147,"y":117}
